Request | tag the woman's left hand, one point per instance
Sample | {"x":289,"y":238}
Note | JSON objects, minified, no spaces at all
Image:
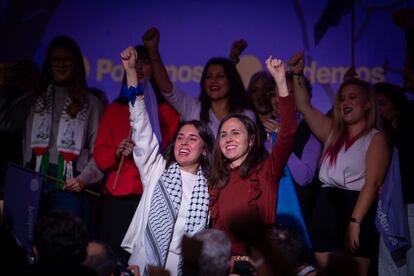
{"x":352,"y":237}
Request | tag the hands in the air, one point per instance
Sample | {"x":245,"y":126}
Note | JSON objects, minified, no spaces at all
{"x":129,"y":58}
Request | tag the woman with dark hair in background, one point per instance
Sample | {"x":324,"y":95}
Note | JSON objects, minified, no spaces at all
{"x":61,"y":127}
{"x":222,"y":90}
{"x":123,"y":188}
{"x":175,"y":199}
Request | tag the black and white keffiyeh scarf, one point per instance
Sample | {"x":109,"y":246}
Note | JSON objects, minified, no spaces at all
{"x":165,"y":203}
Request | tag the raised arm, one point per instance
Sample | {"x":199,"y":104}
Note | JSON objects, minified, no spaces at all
{"x":377,"y":161}
{"x":316,"y":120}
{"x":286,"y":136}
{"x":146,"y":150}
{"x":151,"y":39}
{"x":237,"y":48}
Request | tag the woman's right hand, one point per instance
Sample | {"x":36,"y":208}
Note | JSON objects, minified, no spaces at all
{"x":129,"y":58}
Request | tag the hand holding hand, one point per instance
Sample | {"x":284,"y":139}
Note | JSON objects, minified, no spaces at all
{"x":297,"y":63}
{"x":129,"y":58}
{"x":151,"y":38}
{"x":276,"y":69}
{"x":75,"y":184}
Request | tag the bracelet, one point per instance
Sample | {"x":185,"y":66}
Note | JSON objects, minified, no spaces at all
{"x":354,"y":220}
{"x":131,"y":92}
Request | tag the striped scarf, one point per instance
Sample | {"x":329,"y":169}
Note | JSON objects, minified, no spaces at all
{"x":165,"y":204}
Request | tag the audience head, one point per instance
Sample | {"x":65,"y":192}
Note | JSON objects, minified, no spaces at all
{"x":215,"y":252}
{"x":63,"y":63}
{"x":63,"y":66}
{"x":391,"y":102}
{"x":260,"y":85}
{"x":289,"y":242}
{"x":238,"y":144}
{"x":60,"y":237}
{"x":193,"y":143}
{"x":220,"y":80}
{"x":100,"y":258}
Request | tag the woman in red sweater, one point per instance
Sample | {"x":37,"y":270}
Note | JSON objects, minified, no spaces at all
{"x":242,"y":181}
{"x":121,"y":198}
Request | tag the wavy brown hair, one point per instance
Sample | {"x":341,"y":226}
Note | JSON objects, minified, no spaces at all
{"x":219,"y":176}
{"x":77,"y":87}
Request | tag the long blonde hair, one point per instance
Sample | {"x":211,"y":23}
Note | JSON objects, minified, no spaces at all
{"x":338,"y":132}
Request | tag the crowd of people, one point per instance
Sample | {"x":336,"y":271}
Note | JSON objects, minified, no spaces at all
{"x":252,"y":181}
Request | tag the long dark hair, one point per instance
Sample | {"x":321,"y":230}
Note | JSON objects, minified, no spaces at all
{"x":77,"y":87}
{"x":237,"y":94}
{"x":143,"y":54}
{"x":205,"y":134}
{"x":219,"y":175}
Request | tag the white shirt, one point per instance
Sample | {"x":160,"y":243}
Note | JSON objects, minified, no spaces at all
{"x":349,"y":171}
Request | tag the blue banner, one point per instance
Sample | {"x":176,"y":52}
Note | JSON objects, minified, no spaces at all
{"x":22,"y":192}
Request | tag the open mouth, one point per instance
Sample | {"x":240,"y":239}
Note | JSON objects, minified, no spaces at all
{"x":183,"y":151}
{"x":230,"y":147}
{"x":214,"y":88}
{"x":347,"y":110}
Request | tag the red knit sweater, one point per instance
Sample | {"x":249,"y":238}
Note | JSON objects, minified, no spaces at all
{"x":258,"y":192}
{"x":114,"y":127}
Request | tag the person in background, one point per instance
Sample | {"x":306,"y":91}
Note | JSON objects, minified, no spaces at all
{"x":59,"y":242}
{"x":222,"y":90}
{"x":355,"y":159}
{"x":397,"y":117}
{"x":61,"y":128}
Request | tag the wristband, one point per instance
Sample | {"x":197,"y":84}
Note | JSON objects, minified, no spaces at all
{"x":131,"y":93}
{"x":354,"y":220}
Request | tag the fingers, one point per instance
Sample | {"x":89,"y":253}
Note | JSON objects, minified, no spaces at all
{"x":273,"y":63}
{"x":125,"y":147}
{"x":74,"y":185}
{"x":128,"y":53}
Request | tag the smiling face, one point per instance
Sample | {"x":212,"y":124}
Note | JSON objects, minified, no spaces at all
{"x":235,"y":142}
{"x":216,"y":83}
{"x":353,"y":104}
{"x":188,"y":148}
{"x":63,"y":65}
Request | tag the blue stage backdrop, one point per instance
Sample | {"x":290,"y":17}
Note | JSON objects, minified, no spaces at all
{"x":193,"y":31}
